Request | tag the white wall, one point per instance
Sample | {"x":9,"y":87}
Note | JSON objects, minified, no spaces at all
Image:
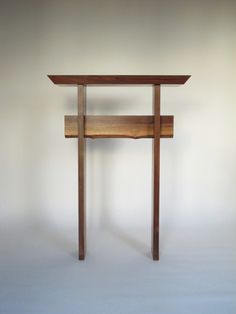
{"x":38,"y":167}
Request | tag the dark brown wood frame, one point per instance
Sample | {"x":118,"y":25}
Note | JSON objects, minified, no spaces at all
{"x":83,"y":126}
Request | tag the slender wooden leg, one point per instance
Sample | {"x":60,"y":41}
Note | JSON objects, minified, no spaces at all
{"x":156,"y":172}
{"x":81,"y":170}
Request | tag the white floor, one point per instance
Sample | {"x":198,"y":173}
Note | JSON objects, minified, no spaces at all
{"x":40,"y":273}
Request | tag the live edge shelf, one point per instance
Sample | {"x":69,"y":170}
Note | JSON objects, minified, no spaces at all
{"x":153,"y":126}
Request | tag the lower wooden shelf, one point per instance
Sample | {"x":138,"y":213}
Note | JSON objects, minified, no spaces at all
{"x":119,"y":126}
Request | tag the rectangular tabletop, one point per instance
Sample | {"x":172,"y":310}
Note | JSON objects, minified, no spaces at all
{"x":118,"y":79}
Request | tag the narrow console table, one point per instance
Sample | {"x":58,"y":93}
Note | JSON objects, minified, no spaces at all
{"x":84,"y":126}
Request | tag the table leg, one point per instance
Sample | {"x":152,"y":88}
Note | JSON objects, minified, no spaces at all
{"x":81,"y":170}
{"x":156,"y":172}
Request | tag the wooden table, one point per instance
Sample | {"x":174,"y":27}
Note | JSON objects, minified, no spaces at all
{"x":84,"y":126}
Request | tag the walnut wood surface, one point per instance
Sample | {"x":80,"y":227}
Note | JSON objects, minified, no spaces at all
{"x":118,"y":79}
{"x":119,"y":126}
{"x":81,"y":170}
{"x":156,"y":172}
